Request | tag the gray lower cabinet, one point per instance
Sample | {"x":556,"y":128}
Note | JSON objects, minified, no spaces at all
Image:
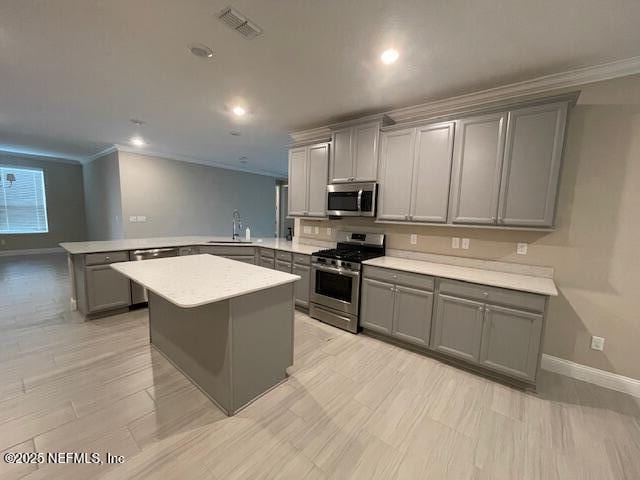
{"x":283,"y":266}
{"x":457,"y":329}
{"x":412,"y":315}
{"x":302,"y":286}
{"x":377,"y":305}
{"x":242,"y":258}
{"x":511,"y":341}
{"x":106,"y":289}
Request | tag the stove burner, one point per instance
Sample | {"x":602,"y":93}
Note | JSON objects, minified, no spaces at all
{"x":356,"y":256}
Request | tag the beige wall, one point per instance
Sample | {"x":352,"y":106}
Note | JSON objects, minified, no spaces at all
{"x":594,"y":248}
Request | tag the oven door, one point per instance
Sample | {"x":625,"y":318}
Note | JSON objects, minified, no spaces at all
{"x":335,"y":288}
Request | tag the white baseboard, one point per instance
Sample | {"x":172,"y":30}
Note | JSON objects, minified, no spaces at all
{"x":602,"y":378}
{"x":31,"y":251}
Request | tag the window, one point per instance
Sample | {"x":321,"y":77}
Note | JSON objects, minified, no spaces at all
{"x":23,"y":206}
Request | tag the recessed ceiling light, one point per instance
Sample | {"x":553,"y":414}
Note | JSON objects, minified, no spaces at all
{"x":138,"y":141}
{"x":201,"y":51}
{"x":238,"y":111}
{"x":235,"y":133}
{"x":389,"y":56}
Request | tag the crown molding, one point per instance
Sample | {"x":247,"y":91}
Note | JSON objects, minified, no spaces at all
{"x":182,"y":158}
{"x":526,"y":89}
{"x":28,"y":153}
{"x":312,"y":135}
{"x":101,"y":153}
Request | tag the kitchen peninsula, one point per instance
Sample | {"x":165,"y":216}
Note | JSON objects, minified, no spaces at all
{"x":225,"y":324}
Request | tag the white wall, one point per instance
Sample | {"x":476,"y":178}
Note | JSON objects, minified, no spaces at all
{"x":103,"y":205}
{"x":180,"y":198}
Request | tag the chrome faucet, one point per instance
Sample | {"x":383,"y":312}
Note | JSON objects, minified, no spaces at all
{"x":237,"y":225}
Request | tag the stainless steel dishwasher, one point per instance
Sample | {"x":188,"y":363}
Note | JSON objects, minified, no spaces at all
{"x":138,"y":292}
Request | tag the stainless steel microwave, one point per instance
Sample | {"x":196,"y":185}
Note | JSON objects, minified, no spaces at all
{"x":352,"y":199}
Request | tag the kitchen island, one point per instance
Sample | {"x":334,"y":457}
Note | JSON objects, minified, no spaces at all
{"x":226,"y":325}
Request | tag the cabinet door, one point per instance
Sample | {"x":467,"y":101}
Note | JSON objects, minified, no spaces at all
{"x":365,"y":152}
{"x":458,"y":327}
{"x":432,"y":173}
{"x":533,"y":153}
{"x":106,"y":288}
{"x":242,"y":258}
{"x":298,"y":181}
{"x":511,"y":341}
{"x":342,"y":156}
{"x":283,"y":266}
{"x":318,"y":165}
{"x":266,"y":262}
{"x":396,"y":166}
{"x":412,"y":315}
{"x":301,"y":287}
{"x":477,"y":164}
{"x":377,"y":305}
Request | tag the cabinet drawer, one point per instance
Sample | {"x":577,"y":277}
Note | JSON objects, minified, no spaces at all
{"x":501,"y":296}
{"x":267,"y":253}
{"x":408,"y":279}
{"x":283,"y":266}
{"x":301,"y":259}
{"x":285,"y":256}
{"x":106,"y":257}
{"x":226,"y":251}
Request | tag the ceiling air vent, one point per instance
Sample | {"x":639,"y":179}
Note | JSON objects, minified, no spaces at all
{"x":239,"y":23}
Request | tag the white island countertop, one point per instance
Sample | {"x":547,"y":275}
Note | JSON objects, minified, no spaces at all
{"x":512,"y":281}
{"x":195,"y":280}
{"x":78,"y":248}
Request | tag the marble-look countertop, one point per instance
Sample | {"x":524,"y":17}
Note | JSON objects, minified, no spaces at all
{"x":513,"y":281}
{"x":195,"y":280}
{"x":79,"y":248}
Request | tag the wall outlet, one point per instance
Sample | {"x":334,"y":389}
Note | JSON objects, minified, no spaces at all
{"x":328,"y":231}
{"x":142,"y":218}
{"x":133,"y":218}
{"x":306,"y":229}
{"x":522,"y":248}
{"x":597,"y":343}
{"x":465,"y":244}
{"x":316,"y":230}
{"x":455,"y":242}
{"x":414,"y":239}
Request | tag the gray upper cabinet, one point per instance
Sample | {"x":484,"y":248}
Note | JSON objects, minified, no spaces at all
{"x":477,"y":166}
{"x":106,"y":289}
{"x":511,"y":341}
{"x":308,"y":170}
{"x":354,"y":153}
{"x":457,"y":329}
{"x":412,"y":315}
{"x":432,"y":173}
{"x":396,"y":169}
{"x":377,"y":306}
{"x":298,"y":181}
{"x":531,"y":168}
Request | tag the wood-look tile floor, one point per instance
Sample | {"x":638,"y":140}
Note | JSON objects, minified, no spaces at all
{"x":353,"y":407}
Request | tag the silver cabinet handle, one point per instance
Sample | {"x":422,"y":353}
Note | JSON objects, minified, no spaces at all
{"x":486,"y":310}
{"x":486,"y":294}
{"x":107,"y":258}
{"x":481,"y":308}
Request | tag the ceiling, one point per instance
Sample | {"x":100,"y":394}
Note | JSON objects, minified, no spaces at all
{"x":74,"y":72}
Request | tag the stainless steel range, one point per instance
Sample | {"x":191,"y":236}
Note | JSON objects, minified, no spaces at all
{"x":335,"y":278}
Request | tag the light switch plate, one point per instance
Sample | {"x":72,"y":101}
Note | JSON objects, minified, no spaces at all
{"x":133,"y":218}
{"x":465,"y":244}
{"x":142,"y":218}
{"x":522,"y":248}
{"x":455,"y":242}
{"x":414,"y":239}
{"x":316,"y":230}
{"x":306,"y":229}
{"x":597,"y":343}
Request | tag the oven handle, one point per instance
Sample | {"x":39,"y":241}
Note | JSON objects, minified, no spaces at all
{"x":339,"y":271}
{"x":359,"y":202}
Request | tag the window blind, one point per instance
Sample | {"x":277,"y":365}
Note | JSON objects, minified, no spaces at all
{"x":23,"y":204}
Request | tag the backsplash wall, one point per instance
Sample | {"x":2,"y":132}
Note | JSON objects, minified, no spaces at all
{"x":594,"y":248}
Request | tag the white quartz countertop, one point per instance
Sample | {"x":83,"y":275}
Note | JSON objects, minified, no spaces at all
{"x":513,"y":281}
{"x":78,"y":248}
{"x":195,"y":280}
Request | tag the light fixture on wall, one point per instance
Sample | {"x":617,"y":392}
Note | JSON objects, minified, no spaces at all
{"x":11,"y":178}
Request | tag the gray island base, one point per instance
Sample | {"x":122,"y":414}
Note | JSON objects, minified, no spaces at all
{"x":234,"y":350}
{"x":227,"y":325}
